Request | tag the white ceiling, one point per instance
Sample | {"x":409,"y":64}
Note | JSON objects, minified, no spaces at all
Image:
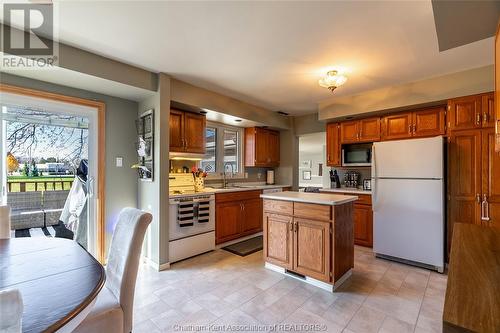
{"x":271,"y":53}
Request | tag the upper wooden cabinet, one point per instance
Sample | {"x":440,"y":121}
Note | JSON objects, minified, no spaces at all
{"x":369,"y":129}
{"x":333,"y":149}
{"x":187,"y":132}
{"x":364,"y":130}
{"x":420,"y":123}
{"x":429,"y":122}
{"x":469,"y":112}
{"x":490,"y":179}
{"x":262,"y":147}
{"x":397,"y":126}
{"x":488,"y":109}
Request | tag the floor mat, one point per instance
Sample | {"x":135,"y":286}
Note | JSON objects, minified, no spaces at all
{"x":246,"y":247}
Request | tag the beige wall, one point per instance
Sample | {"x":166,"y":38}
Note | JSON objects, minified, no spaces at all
{"x":440,"y":88}
{"x":202,"y":98}
{"x":308,"y":124}
{"x":153,"y":195}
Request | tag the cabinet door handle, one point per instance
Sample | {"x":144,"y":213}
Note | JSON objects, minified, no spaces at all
{"x":486,"y":118}
{"x":485,"y":214}
{"x":409,"y":128}
{"x":291,"y":225}
{"x":414,"y":128}
{"x":478,"y":118}
{"x":478,"y":198}
{"x":296,"y":226}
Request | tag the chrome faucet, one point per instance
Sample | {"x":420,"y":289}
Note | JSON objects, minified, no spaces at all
{"x":224,"y":177}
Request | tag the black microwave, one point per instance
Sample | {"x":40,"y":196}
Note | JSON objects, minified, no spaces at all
{"x":358,"y":154}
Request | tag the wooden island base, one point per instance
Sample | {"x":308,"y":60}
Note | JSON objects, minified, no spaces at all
{"x":313,"y":242}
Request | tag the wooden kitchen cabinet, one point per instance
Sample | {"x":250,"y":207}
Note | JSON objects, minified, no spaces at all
{"x":363,"y":225}
{"x":465,"y":112}
{"x":315,"y":247}
{"x":490,"y":175}
{"x":488,"y":109}
{"x":363,"y":220}
{"x":497,"y":90}
{"x":333,"y":150}
{"x":194,"y":132}
{"x":349,"y":131}
{"x":187,"y":132}
{"x":262,"y":147}
{"x":311,"y":254}
{"x":397,"y":126}
{"x":364,"y":130}
{"x":176,"y":123}
{"x":369,"y":129}
{"x":252,"y":216}
{"x":421,"y":123}
{"x":228,"y":221}
{"x":278,"y":239}
{"x":237,"y":214}
{"x":429,"y":122}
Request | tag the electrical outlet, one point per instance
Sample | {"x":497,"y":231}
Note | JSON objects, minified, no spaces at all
{"x":119,"y":162}
{"x":259,"y":175}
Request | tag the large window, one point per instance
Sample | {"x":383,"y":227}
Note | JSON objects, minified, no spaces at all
{"x":223,"y":150}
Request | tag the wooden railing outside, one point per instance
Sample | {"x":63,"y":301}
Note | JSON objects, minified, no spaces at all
{"x":39,"y":185}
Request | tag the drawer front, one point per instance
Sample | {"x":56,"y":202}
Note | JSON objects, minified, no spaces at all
{"x":312,"y":211}
{"x":238,"y":195}
{"x":364,"y":199}
{"x":278,"y":206}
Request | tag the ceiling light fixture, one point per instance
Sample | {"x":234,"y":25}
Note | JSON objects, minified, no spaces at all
{"x":332,"y":80}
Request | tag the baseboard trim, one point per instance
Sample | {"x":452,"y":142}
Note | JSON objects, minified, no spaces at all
{"x":155,"y":265}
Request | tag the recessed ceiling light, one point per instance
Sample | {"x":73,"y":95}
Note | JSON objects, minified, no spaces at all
{"x":238,"y":120}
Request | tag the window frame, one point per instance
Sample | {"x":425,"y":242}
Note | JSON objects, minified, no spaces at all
{"x":219,"y":150}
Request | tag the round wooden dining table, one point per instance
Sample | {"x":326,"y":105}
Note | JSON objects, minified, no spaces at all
{"x":58,"y":280}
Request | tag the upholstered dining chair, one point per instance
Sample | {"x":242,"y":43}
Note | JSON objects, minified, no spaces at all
{"x":113,"y":309}
{"x":4,"y":221}
{"x":11,"y":311}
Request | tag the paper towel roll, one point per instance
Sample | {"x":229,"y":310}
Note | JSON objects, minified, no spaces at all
{"x":4,"y":221}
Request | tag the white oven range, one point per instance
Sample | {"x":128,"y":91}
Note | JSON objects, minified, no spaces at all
{"x":191,"y":225}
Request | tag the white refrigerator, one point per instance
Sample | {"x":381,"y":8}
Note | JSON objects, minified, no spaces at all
{"x":408,"y":201}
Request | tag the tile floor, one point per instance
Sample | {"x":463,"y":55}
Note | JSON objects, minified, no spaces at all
{"x":217,"y":289}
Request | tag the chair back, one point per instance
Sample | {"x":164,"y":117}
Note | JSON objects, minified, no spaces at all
{"x":123,"y":259}
{"x":4,"y":222}
{"x":11,"y":311}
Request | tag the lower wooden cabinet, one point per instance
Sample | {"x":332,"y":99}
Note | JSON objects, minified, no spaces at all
{"x":237,"y":214}
{"x":311,"y":248}
{"x":297,"y":244}
{"x":228,"y":221}
{"x":363,"y":225}
{"x":363,"y":220}
{"x":278,"y":234}
{"x":321,"y":249}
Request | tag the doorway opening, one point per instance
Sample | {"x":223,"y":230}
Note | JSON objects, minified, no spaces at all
{"x":50,"y":173}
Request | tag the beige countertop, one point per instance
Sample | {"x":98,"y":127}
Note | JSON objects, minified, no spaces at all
{"x":237,"y":188}
{"x":346,"y":190}
{"x":313,"y":198}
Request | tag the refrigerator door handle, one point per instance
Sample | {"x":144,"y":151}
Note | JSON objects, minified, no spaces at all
{"x":374,"y":179}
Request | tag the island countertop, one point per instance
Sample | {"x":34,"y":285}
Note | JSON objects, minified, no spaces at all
{"x":313,"y":198}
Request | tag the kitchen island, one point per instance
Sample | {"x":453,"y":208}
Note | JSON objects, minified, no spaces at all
{"x":309,"y":236}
